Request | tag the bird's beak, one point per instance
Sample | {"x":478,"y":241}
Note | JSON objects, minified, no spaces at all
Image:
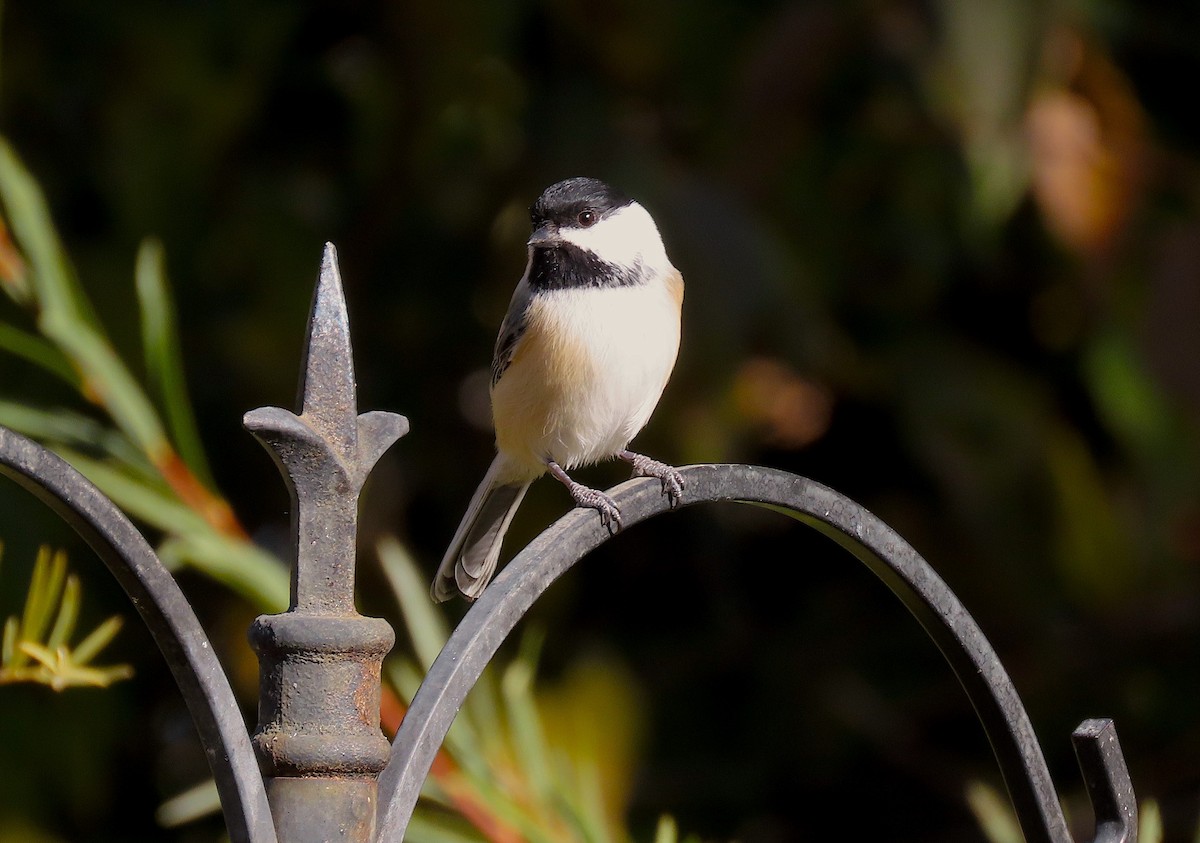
{"x":545,"y":236}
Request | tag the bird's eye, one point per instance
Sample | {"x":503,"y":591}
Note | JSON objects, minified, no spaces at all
{"x":587,"y":218}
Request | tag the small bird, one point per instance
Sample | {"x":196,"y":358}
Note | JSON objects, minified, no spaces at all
{"x":583,"y":355}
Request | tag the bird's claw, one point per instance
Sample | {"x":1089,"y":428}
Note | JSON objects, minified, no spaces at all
{"x":669,"y":476}
{"x":605,"y":506}
{"x":610,"y":513}
{"x":672,"y":486}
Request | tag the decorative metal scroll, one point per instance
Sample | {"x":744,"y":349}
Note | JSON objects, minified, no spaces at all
{"x":321,"y":763}
{"x":510,"y":596}
{"x":170,"y":619}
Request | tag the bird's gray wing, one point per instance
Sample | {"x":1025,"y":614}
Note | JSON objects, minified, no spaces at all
{"x":511,"y":329}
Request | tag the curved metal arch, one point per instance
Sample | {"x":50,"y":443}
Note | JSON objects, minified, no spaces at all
{"x":170,"y":619}
{"x":486,"y":625}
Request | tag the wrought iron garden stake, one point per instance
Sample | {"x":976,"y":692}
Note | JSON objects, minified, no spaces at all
{"x":318,"y":740}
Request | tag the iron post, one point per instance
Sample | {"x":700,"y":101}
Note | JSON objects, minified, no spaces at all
{"x":318,"y":739}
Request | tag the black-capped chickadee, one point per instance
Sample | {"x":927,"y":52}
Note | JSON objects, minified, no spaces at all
{"x":583,"y":356}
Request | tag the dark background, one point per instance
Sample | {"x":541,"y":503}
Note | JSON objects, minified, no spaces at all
{"x":940,"y":256}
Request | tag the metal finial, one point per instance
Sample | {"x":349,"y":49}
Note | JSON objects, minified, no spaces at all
{"x":326,"y":452}
{"x":318,"y":736}
{"x":328,"y":400}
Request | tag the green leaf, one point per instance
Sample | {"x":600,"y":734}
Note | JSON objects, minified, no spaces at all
{"x":59,"y":671}
{"x":529,"y":741}
{"x":55,"y":286}
{"x":49,"y":571}
{"x":587,"y":799}
{"x":1093,"y":551}
{"x":164,"y":360}
{"x":55,"y":595}
{"x":440,"y":827}
{"x":8,"y":650}
{"x":43,"y":655}
{"x":97,"y":640}
{"x":1126,"y":396}
{"x":481,"y":711}
{"x":65,"y":427}
{"x":667,"y":831}
{"x":68,"y":614}
{"x":511,"y":812}
{"x":244,"y":567}
{"x":993,"y":813}
{"x":92,"y":677}
{"x":107,"y":380}
{"x":241,"y":565}
{"x":461,"y":741}
{"x":189,"y":806}
{"x":65,"y":316}
{"x":1150,"y":825}
{"x":39,"y":352}
{"x":477,"y":726}
{"x":404,"y":676}
{"x":427,"y":628}
{"x":154,"y":504}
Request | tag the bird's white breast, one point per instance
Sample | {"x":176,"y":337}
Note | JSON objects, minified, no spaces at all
{"x":586,"y":374}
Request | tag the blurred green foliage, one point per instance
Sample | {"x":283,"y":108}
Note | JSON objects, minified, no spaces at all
{"x":546,"y":767}
{"x":940,"y":256}
{"x":999,"y":823}
{"x":151,"y":474}
{"x":35,"y":646}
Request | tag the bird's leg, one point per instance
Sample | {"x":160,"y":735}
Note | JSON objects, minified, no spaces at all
{"x":610,"y":514}
{"x":643,"y":466}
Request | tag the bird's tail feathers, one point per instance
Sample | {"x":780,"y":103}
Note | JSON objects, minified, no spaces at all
{"x":470,"y":561}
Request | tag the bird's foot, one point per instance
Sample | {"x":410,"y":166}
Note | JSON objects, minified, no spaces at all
{"x":605,"y":506}
{"x":643,"y":466}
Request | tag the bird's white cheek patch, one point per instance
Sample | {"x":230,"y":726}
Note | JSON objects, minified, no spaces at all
{"x":625,"y":238}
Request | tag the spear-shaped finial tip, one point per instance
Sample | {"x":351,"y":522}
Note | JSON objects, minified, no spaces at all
{"x":328,"y":398}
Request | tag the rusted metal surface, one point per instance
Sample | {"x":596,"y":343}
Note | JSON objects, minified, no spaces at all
{"x":318,"y":736}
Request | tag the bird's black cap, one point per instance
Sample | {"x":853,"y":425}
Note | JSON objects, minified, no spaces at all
{"x":561,"y":203}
